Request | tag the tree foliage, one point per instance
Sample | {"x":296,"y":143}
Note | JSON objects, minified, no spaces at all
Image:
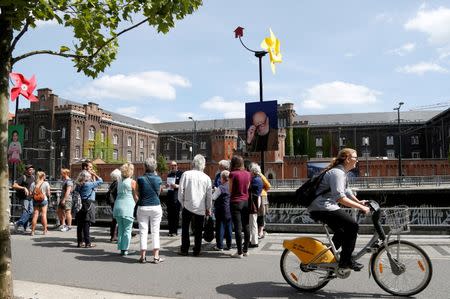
{"x":96,"y":24}
{"x":161,"y":163}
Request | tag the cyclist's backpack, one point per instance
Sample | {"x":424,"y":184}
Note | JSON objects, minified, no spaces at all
{"x":306,"y":193}
{"x":38,"y":195}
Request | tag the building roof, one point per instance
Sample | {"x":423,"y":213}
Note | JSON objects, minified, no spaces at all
{"x":372,"y":118}
{"x":318,"y":120}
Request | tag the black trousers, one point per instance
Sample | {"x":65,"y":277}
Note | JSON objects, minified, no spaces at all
{"x":197,"y":221}
{"x":83,"y":231}
{"x":345,"y":231}
{"x":173,"y":212}
{"x":240,"y":215}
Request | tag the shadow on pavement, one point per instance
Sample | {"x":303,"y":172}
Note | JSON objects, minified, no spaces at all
{"x":269,"y":289}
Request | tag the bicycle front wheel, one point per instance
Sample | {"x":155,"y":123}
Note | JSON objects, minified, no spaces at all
{"x":296,"y":274}
{"x":408,"y":273}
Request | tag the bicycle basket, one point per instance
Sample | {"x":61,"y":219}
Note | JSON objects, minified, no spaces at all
{"x":397,"y":218}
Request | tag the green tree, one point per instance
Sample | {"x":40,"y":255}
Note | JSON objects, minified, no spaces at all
{"x":95,"y":25}
{"x":161,"y":164}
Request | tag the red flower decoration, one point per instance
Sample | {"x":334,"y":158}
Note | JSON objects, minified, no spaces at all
{"x":23,"y":86}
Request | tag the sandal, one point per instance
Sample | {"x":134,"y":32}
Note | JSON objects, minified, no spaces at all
{"x":143,"y":260}
{"x":157,"y":260}
{"x":90,"y":245}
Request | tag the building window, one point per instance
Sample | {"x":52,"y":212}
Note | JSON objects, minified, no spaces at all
{"x":203,"y":145}
{"x":115,"y":139}
{"x":129,"y":156}
{"x":295,"y":172}
{"x":78,"y":133}
{"x":342,"y":141}
{"x":319,"y":154}
{"x":389,"y":140}
{"x":167,"y":146}
{"x":184,"y":157}
{"x":318,"y":141}
{"x":184,"y":146}
{"x":415,"y":155}
{"x":415,"y":139}
{"x":91,"y":134}
{"x":365,"y":141}
{"x":41,"y":132}
{"x":141,"y":143}
{"x":63,"y":133}
{"x":129,"y":141}
{"x":91,"y":153}
{"x":77,"y":152}
{"x":141,"y":156}
{"x":390,"y":154}
{"x":42,"y":154}
{"x":167,"y":157}
{"x":152,"y":155}
{"x":102,"y":136}
{"x":26,"y":134}
{"x":152,"y":145}
{"x":101,"y":155}
{"x":115,"y":155}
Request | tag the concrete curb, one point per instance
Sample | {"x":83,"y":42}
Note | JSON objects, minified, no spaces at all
{"x":34,"y":290}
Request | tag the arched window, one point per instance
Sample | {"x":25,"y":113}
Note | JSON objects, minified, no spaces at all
{"x":41,"y":134}
{"x":129,"y":156}
{"x":129,"y":141}
{"x":115,"y":140}
{"x":152,"y":145}
{"x":63,"y":133}
{"x":91,"y":135}
{"x":102,"y":136}
{"x":78,"y":133}
{"x":115,"y":155}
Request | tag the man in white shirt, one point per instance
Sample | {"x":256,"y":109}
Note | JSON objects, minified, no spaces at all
{"x":195,"y":197}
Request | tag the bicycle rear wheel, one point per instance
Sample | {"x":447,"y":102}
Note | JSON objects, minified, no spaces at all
{"x":296,"y":274}
{"x":415,"y":270}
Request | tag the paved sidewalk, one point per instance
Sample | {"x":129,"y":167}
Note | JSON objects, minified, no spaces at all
{"x":28,"y":290}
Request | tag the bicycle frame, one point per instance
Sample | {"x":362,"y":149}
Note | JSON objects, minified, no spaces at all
{"x":372,"y":246}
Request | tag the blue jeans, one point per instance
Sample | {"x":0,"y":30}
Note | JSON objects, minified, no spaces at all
{"x":26,"y":213}
{"x":223,"y":228}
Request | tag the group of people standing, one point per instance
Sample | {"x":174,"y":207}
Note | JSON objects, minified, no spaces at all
{"x":235,"y":199}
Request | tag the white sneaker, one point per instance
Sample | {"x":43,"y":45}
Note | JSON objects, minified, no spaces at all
{"x":215,"y":248}
{"x":246,"y":254}
{"x":236,"y":255}
{"x":65,"y":228}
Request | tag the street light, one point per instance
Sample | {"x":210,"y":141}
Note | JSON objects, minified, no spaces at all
{"x":194,"y":132}
{"x":399,"y":140}
{"x":366,"y":153}
{"x":52,"y":152}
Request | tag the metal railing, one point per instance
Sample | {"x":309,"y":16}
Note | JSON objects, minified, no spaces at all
{"x":377,"y":182}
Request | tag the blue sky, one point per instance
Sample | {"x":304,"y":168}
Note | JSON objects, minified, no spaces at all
{"x":338,"y":57}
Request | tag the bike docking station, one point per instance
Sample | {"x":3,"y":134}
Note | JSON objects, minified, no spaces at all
{"x":399,"y":267}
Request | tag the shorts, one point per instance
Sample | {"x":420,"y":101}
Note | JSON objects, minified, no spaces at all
{"x":40,"y":204}
{"x":66,"y":206}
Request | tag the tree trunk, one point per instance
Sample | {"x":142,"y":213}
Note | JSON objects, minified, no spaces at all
{"x":6,"y":36}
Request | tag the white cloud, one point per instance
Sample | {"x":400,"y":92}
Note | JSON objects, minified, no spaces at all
{"x":335,"y":93}
{"x":129,"y":111}
{"x":252,"y":88}
{"x":230,"y":109}
{"x":349,"y":54}
{"x":134,"y":87}
{"x":435,"y":23}
{"x":40,"y":23}
{"x":421,"y":68}
{"x":403,"y":50}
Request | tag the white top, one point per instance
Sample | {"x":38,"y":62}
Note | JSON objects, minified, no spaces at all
{"x":195,"y":192}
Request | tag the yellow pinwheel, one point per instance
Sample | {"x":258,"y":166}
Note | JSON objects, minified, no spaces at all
{"x":272,"y":46}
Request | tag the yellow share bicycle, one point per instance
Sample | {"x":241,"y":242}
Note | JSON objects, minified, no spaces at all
{"x":399,"y":267}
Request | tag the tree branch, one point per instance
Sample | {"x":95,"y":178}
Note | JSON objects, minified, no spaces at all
{"x":49,"y":52}
{"x":21,"y":33}
{"x":119,"y":34}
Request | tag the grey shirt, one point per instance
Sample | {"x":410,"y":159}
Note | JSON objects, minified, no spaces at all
{"x":336,"y":180}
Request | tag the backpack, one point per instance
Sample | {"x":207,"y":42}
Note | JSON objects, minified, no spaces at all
{"x":306,"y":193}
{"x":208,"y":233}
{"x":38,"y":195}
{"x":76,"y":201}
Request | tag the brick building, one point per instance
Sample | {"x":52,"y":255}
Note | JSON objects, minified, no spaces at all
{"x":60,"y":132}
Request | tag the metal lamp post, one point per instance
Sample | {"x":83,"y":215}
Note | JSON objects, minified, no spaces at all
{"x":399,"y":140}
{"x":52,"y":152}
{"x":366,"y":153}
{"x":194,"y":133}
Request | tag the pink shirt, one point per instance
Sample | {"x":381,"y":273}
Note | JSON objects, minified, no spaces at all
{"x":239,"y":184}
